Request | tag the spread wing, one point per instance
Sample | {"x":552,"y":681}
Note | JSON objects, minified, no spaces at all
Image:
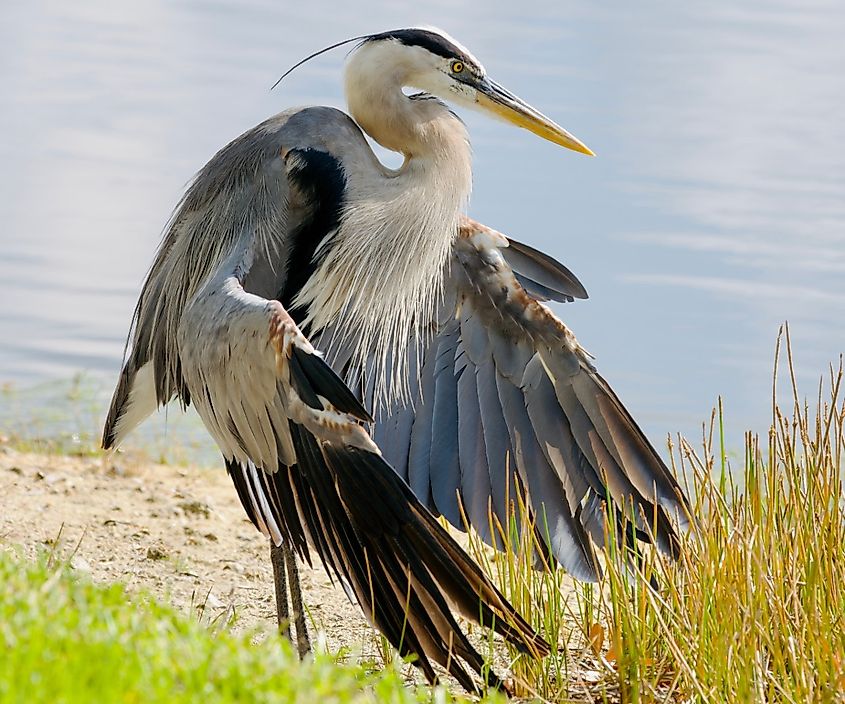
{"x":212,"y":329}
{"x":505,"y":399}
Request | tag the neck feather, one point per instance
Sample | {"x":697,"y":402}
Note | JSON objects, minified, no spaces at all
{"x":380,"y":282}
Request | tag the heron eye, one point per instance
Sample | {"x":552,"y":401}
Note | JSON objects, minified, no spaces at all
{"x":457,"y":67}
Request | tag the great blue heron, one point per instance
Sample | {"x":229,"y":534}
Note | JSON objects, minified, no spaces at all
{"x":295,"y":238}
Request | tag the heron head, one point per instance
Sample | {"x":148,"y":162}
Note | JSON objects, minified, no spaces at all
{"x":431,"y":60}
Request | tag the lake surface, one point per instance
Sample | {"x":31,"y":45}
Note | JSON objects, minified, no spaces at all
{"x":714,"y":211}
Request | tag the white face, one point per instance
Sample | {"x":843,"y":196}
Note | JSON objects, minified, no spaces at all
{"x":416,"y":67}
{"x":446,"y":78}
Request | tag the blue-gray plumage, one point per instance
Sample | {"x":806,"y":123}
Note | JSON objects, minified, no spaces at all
{"x":472,"y":466}
{"x":444,"y":466}
{"x":540,"y":275}
{"x":306,"y":296}
{"x":501,"y":464}
{"x":544,"y":411}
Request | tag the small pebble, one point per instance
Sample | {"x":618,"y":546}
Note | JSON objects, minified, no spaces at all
{"x":80,"y":564}
{"x":156,"y":552}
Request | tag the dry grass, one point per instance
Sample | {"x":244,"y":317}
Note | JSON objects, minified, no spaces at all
{"x":754,"y":609}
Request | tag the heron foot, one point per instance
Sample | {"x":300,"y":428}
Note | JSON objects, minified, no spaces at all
{"x":303,"y":642}
{"x":286,"y":572}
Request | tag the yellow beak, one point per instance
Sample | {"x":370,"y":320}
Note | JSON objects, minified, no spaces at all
{"x":491,"y":97}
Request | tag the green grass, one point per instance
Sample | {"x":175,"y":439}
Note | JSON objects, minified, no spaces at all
{"x":65,"y":639}
{"x":754,"y":611}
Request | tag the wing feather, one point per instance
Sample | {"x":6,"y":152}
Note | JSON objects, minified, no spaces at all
{"x":541,"y":270}
{"x":497,"y":445}
{"x":543,"y":419}
{"x":419,"y":452}
{"x":444,"y":468}
{"x":476,"y":490}
{"x":555,"y":520}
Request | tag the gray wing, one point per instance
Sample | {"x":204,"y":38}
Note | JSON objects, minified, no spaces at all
{"x":507,"y":400}
{"x":210,"y":330}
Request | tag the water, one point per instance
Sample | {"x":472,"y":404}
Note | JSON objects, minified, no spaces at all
{"x":715,"y":210}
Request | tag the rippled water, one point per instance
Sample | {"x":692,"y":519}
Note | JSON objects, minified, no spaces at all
{"x":715,"y":211}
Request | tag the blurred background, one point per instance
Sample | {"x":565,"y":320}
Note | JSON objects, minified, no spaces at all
{"x":714,"y":211}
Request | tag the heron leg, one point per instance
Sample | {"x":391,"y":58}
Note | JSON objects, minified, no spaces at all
{"x":303,"y":643}
{"x":277,"y":557}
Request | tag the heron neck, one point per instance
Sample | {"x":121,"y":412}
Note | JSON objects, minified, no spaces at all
{"x":380,"y":283}
{"x":421,"y":128}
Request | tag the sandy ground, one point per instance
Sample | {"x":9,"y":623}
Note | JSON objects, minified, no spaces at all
{"x":178,"y":532}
